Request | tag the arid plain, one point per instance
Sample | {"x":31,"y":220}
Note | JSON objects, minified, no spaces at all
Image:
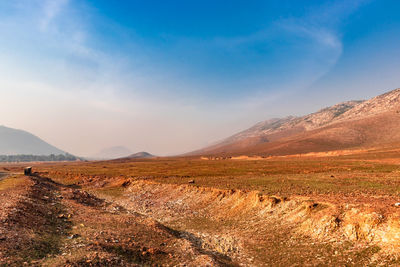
{"x":333,"y":208}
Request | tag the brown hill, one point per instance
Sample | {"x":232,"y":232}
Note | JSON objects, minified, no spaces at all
{"x":141,"y":155}
{"x":348,"y":125}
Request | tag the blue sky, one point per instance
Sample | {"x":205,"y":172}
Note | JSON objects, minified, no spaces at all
{"x":173,"y":76}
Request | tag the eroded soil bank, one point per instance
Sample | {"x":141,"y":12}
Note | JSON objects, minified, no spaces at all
{"x":255,"y":229}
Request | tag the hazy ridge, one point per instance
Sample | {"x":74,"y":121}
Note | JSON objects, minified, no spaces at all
{"x":19,"y":142}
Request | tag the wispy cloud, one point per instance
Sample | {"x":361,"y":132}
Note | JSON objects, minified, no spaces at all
{"x":51,"y":8}
{"x":317,"y":35}
{"x":320,"y":29}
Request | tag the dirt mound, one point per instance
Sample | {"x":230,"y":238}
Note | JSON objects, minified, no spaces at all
{"x":32,"y":228}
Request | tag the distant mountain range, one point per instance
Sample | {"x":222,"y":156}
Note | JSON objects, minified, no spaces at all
{"x":114,"y":152}
{"x":348,"y":125}
{"x":18,"y":142}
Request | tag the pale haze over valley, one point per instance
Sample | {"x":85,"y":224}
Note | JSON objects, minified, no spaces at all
{"x":172,"y":78}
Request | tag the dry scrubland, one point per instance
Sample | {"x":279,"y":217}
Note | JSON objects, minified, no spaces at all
{"x":336,"y":210}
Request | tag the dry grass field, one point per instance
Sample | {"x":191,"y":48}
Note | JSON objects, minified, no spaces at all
{"x":368,"y":174}
{"x":302,"y":210}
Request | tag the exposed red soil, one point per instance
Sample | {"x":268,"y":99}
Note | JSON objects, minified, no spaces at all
{"x":55,"y":225}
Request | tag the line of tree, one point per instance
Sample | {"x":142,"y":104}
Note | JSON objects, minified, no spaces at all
{"x":30,"y":158}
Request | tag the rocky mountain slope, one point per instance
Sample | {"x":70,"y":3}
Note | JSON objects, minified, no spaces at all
{"x":16,"y":142}
{"x":346,"y":125}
